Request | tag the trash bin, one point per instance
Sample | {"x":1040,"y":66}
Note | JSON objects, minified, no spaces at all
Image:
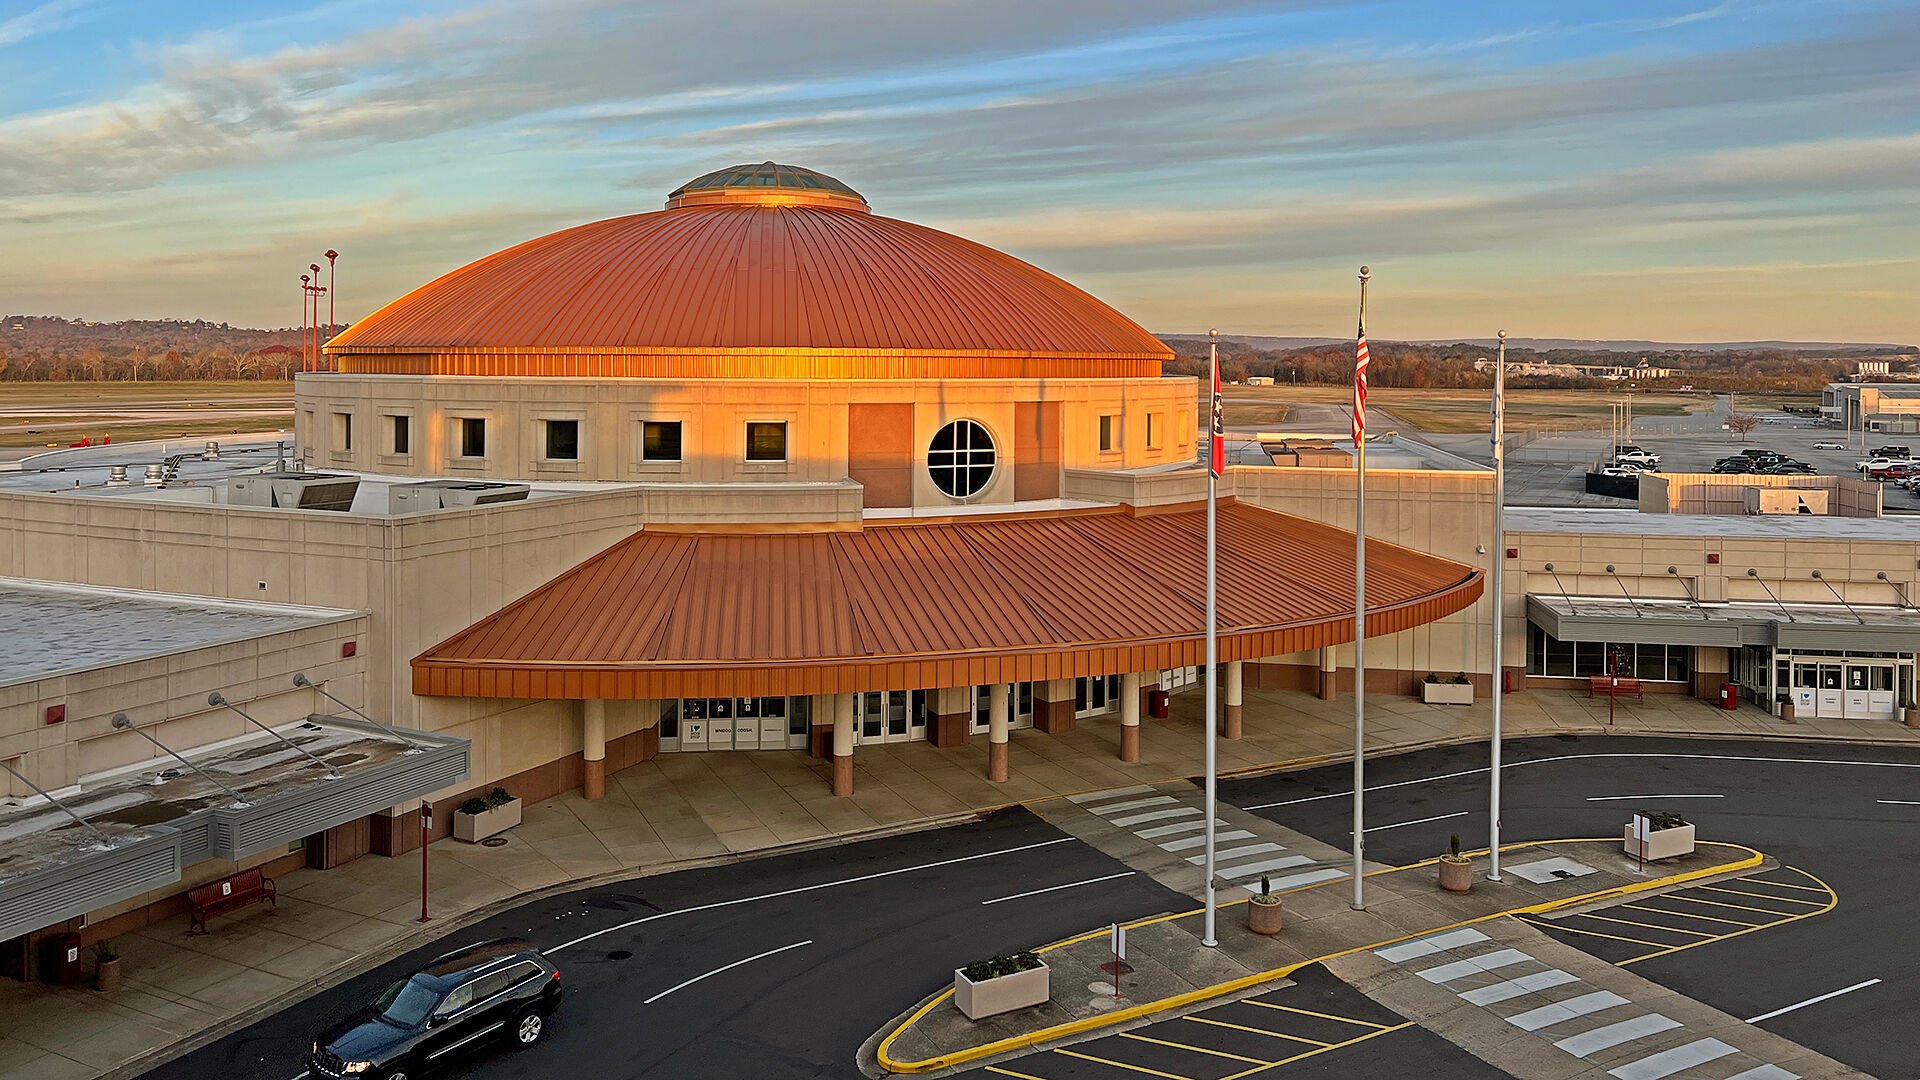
{"x":1729,"y":695}
{"x":60,"y":960}
{"x":1157,"y":704}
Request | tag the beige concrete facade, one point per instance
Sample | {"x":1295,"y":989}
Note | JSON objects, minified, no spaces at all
{"x":346,"y":421}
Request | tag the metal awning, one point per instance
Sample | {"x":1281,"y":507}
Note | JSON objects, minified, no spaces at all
{"x":157,"y":821}
{"x":1859,"y":628}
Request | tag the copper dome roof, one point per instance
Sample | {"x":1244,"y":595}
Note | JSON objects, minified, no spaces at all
{"x":753,"y":271}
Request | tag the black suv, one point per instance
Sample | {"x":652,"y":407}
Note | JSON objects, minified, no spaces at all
{"x":497,"y":988}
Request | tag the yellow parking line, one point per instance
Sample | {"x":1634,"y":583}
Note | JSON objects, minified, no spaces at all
{"x":1592,"y":933}
{"x":1321,"y":1050}
{"x":1719,"y":903}
{"x":1831,"y":904}
{"x":1648,"y":925}
{"x":1257,"y":1031}
{"x":1310,"y":1012}
{"x":1195,"y":1049}
{"x":1010,"y":1072}
{"x":1782,"y":884}
{"x":1691,"y":915}
{"x":1764,"y":896}
{"x":1123,"y":1065}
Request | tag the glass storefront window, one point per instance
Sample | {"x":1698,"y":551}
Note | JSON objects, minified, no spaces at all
{"x":1553,"y":658}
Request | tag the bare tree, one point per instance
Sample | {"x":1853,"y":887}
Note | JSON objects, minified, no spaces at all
{"x":1741,"y":423}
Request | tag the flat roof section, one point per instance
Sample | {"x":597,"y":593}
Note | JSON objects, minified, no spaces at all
{"x":52,"y":628}
{"x":1859,"y":628}
{"x":672,"y":613}
{"x":1563,"y":519}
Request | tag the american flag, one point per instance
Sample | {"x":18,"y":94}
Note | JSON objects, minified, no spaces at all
{"x":1360,"y":389}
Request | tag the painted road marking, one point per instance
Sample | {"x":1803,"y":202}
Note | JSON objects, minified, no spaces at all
{"x":1121,"y":1065}
{"x":1416,"y":821}
{"x":1814,"y":1000}
{"x":1595,"y":933}
{"x":1762,"y":896}
{"x":1298,"y":881}
{"x":1159,"y":831}
{"x":726,"y":967}
{"x":1668,"y":1062}
{"x":1154,"y":815}
{"x":1239,"y":852}
{"x":1132,"y":804}
{"x":1589,"y":757}
{"x":809,"y":888}
{"x":1056,"y":888}
{"x":1570,"y":1009}
{"x":1194,"y":1049}
{"x":1765,"y":1072}
{"x":1110,"y":793}
{"x":1588,"y":1043}
{"x":1513,"y":988}
{"x":1310,"y":1012}
{"x":1897,"y":802}
{"x":1649,"y":926}
{"x":1460,"y":969}
{"x":1691,"y":915}
{"x":1258,"y":1031}
{"x":1192,"y":842}
{"x":1261,"y":866}
{"x":1629,"y":798}
{"x":1427,"y":946}
{"x":1010,"y":1072}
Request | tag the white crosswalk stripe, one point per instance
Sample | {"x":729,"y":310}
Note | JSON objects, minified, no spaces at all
{"x":1192,"y":842}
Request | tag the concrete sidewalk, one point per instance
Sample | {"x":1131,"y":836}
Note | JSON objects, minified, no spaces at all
{"x":684,"y":810}
{"x":1171,"y":970}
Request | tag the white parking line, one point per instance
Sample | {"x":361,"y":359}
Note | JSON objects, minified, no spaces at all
{"x":1590,"y":757}
{"x":1416,"y":821}
{"x":1056,"y":888}
{"x":1627,"y":798}
{"x":1897,"y":802}
{"x":726,"y":967}
{"x":807,"y":889}
{"x":1814,"y":1000}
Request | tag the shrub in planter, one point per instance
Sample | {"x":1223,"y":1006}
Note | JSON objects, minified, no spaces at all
{"x":1001,"y":984}
{"x":106,"y":966}
{"x":1456,"y":870}
{"x":1672,"y":836}
{"x":483,"y":816}
{"x":1451,"y":690}
{"x":1263,"y":911}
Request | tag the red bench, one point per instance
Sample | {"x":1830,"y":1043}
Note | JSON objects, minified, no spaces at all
{"x":1614,"y":686}
{"x":228,"y":894}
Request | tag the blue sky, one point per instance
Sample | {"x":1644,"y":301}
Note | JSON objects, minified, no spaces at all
{"x":1689,"y":170}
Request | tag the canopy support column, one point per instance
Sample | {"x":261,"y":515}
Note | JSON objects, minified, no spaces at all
{"x":1329,"y":672}
{"x":1230,"y":727}
{"x":998,"y":731}
{"x":843,"y":744}
{"x":593,"y":742}
{"x":1130,"y":716}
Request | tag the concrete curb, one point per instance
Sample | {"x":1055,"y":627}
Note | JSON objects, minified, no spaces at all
{"x":891,"y":1066}
{"x":448,"y":925}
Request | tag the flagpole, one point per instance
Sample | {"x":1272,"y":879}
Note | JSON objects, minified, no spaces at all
{"x":1499,"y":571}
{"x":1360,"y":603}
{"x":1216,"y":462}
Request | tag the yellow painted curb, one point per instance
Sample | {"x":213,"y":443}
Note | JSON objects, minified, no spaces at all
{"x":1060,"y":1031}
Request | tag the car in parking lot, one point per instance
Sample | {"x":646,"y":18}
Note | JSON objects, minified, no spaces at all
{"x":1872,"y":463}
{"x":1789,"y":468}
{"x":1829,"y":446}
{"x":1895,"y":471}
{"x":1622,"y":470}
{"x":1891,"y":451}
{"x":1636,"y":456}
{"x":502,"y":989}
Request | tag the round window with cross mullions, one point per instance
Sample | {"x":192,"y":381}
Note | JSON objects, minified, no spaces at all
{"x":961,"y":459}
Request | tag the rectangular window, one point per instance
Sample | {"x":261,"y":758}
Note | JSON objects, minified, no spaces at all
{"x":1153,"y":431}
{"x":400,"y":434}
{"x":563,"y":440}
{"x":342,"y":431}
{"x":1108,"y":432}
{"x":473,"y":437}
{"x":660,"y":440}
{"x":767,"y":441}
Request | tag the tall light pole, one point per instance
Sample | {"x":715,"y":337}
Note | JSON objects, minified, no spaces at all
{"x":331,"y":256}
{"x":1499,"y":571}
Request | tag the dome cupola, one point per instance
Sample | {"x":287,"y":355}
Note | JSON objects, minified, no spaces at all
{"x":766,"y":184}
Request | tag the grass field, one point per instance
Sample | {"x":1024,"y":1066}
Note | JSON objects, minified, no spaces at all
{"x":118,"y":393}
{"x":57,"y":414}
{"x":1465,"y":411}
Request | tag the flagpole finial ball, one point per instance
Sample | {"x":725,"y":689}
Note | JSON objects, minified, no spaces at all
{"x":1365,"y":272}
{"x":1503,"y":335}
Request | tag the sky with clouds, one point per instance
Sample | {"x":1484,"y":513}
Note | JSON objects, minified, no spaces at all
{"x":1685,"y":170}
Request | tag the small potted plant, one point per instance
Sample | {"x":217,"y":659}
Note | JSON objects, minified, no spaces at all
{"x":481,"y":817}
{"x":1669,"y":836}
{"x":106,"y":967}
{"x":1001,"y":984}
{"x":1453,"y":690}
{"x":1786,"y":707}
{"x":1263,"y":911}
{"x":1456,"y":870}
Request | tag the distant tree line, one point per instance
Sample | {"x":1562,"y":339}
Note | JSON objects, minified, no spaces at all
{"x":40,"y":348}
{"x":1404,"y":364}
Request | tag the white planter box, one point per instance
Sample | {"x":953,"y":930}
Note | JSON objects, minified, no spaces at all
{"x":474,"y":828}
{"x":1663,"y":844}
{"x":1446,"y":693}
{"x":1020,"y":990}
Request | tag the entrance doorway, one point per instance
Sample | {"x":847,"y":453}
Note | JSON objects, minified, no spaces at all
{"x":1847,"y":688}
{"x":1019,"y":708}
{"x":768,"y":723}
{"x":1096,"y":694}
{"x":890,"y":716}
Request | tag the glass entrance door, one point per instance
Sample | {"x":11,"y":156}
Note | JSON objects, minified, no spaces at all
{"x":1096,"y":694}
{"x":1832,"y":700}
{"x":1869,"y":691}
{"x":890,"y":716}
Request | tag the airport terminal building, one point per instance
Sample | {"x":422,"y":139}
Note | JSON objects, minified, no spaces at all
{"x":765,"y":471}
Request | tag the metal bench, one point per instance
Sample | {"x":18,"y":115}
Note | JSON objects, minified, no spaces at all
{"x":1614,"y":686}
{"x":228,"y":894}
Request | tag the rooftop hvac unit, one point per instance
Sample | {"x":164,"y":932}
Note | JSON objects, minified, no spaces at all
{"x":451,"y":495}
{"x":294,"y":491}
{"x":1786,"y":500}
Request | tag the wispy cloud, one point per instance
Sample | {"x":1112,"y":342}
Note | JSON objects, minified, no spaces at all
{"x":45,"y":19}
